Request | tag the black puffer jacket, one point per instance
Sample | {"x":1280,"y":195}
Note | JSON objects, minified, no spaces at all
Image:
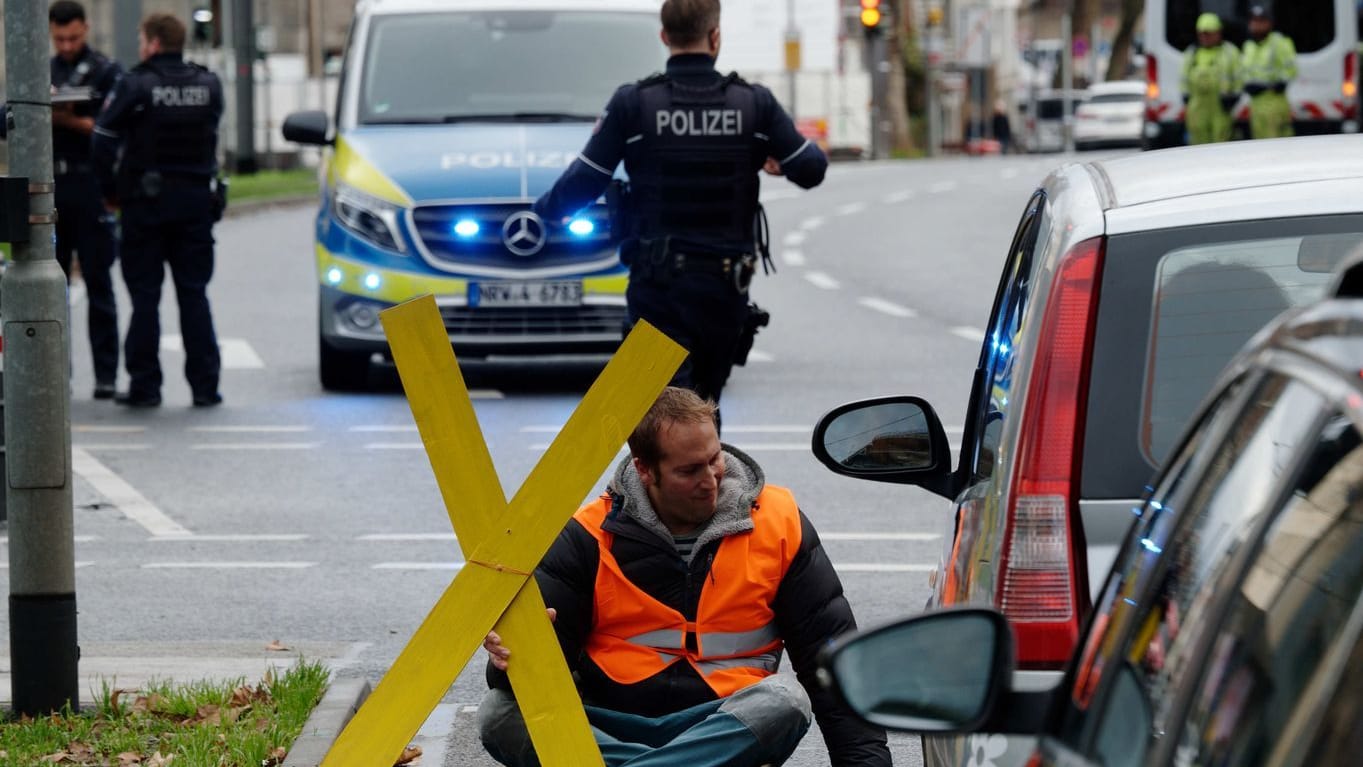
{"x":810,"y":607}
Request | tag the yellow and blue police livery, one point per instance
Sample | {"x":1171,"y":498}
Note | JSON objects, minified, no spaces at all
{"x":449,"y":124}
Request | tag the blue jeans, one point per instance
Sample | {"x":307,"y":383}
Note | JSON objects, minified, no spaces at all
{"x":758,"y":725}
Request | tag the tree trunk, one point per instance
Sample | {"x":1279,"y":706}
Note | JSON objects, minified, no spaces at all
{"x":900,"y":43}
{"x":1083,"y":15}
{"x":1121,"y":45}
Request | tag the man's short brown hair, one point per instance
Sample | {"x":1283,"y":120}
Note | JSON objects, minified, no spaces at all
{"x":687,"y":22}
{"x":166,"y":28}
{"x":674,"y":405}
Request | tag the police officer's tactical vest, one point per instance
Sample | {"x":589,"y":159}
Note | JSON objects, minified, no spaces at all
{"x":733,"y":642}
{"x":693,"y":174}
{"x":178,"y":131}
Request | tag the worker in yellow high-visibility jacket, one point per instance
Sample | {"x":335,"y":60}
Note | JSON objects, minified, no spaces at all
{"x":1268,"y":64}
{"x":1211,"y":83}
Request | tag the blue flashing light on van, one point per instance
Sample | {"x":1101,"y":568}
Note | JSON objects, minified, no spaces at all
{"x":448,"y":126}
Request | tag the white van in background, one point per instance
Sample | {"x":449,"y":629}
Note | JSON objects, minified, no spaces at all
{"x":1324,"y":96}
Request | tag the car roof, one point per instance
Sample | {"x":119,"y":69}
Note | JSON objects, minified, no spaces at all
{"x":385,"y":7}
{"x":1116,"y":86}
{"x":1198,"y":170}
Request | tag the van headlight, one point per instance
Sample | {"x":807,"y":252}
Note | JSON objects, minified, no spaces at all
{"x":372,"y":219}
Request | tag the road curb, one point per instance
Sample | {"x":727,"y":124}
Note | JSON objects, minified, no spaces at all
{"x":338,"y":705}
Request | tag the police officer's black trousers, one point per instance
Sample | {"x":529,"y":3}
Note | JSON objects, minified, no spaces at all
{"x":86,"y":229}
{"x":175,"y":230}
{"x":704,"y":312}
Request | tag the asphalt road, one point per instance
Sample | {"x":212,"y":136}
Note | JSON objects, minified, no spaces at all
{"x":313,"y":519}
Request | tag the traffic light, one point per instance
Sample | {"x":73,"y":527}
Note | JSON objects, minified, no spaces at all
{"x":870,"y":16}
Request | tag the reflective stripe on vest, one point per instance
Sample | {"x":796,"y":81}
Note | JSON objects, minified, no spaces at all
{"x":733,"y":642}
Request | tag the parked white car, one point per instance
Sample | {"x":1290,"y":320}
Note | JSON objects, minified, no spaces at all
{"x":1110,"y":115}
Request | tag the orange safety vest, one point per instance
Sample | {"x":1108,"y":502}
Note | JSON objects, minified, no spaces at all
{"x":733,"y":642}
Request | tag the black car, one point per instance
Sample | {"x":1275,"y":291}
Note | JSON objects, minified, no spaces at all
{"x":1230,"y":629}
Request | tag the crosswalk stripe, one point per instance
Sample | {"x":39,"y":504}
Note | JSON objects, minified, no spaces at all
{"x":235,"y":353}
{"x":261,"y":565}
{"x":123,"y":496}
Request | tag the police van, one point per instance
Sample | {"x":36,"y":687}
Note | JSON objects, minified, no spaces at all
{"x":452,"y":117}
{"x":1324,"y":96}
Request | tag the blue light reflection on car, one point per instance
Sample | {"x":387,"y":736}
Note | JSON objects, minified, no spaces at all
{"x":466,"y":227}
{"x":1150,"y":546}
{"x":581,"y":227}
{"x":334,"y":276}
{"x":371,"y":281}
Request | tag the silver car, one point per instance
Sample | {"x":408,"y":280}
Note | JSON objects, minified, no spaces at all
{"x":1128,"y":286}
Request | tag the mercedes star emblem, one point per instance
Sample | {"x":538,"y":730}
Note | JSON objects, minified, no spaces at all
{"x":524,"y":233}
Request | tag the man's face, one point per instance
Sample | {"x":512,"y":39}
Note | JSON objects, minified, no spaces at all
{"x":146,"y":48}
{"x":684,"y":486}
{"x":1259,"y":27}
{"x":1209,"y":39}
{"x":69,"y":38}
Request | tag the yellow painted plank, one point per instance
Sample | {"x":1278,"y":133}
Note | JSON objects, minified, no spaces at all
{"x":445,"y":418}
{"x":476,"y":599}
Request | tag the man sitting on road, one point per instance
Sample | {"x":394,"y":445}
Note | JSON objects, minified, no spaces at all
{"x":673,"y":596}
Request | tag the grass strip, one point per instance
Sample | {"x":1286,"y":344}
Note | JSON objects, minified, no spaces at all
{"x":273,"y":184}
{"x":195,"y":724}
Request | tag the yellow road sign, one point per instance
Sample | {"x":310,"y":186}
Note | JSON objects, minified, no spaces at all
{"x":502,"y":543}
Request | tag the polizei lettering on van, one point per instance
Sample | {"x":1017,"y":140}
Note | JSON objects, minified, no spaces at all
{"x":700,"y":122}
{"x":179,"y":96}
{"x":483,"y":160}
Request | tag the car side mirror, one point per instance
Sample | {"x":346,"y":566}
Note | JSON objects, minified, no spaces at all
{"x":936,"y":672}
{"x":887,"y":439}
{"x":307,"y":127}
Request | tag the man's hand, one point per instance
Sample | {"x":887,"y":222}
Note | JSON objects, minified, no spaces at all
{"x":64,"y":116}
{"x":497,"y":653}
{"x":772,"y":166}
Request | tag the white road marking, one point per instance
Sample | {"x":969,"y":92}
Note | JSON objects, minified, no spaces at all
{"x":4,"y":539}
{"x":76,"y":292}
{"x":880,"y":536}
{"x":782,"y":194}
{"x":880,"y":567}
{"x":105,"y":447}
{"x":968,"y":333}
{"x":406,"y":537}
{"x":486,"y":394}
{"x":886,"y":307}
{"x":728,"y":429}
{"x":243,"y":537}
{"x":235,"y":353}
{"x":79,"y":565}
{"x":417,"y":566}
{"x":469,"y":710}
{"x":250,"y":429}
{"x":898,"y":197}
{"x":850,"y":209}
{"x":255,"y":446}
{"x":261,"y":565}
{"x":793,"y":257}
{"x":408,"y":428}
{"x":394,"y":446}
{"x":811,"y":223}
{"x":822,"y":280}
{"x":760,"y":356}
{"x":795,"y":239}
{"x":942,"y":186}
{"x":1008,"y":173}
{"x":749,"y":447}
{"x":123,"y":496}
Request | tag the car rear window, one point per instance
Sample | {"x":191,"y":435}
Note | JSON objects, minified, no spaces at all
{"x":1176,"y":305}
{"x":1309,"y":23}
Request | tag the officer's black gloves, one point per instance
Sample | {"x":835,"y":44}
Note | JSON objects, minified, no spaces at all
{"x":1185,"y":98}
{"x":1228,"y":102}
{"x":1254,"y":89}
{"x":1279,"y":87}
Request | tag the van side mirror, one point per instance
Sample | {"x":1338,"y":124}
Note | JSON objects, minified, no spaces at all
{"x":308,"y":127}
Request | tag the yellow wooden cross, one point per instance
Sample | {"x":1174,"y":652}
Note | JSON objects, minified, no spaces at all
{"x":502,"y":543}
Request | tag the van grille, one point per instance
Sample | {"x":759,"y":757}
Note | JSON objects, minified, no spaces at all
{"x":434,"y":227}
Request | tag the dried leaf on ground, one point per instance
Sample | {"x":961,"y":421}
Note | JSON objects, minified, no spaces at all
{"x":158,"y":760}
{"x":277,"y":646}
{"x":275,"y":757}
{"x":411,"y":755}
{"x":129,"y":759}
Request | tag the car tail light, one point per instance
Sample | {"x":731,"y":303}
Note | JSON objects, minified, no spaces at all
{"x":1349,"y":88}
{"x":1043,"y":589}
{"x":1152,"y":105}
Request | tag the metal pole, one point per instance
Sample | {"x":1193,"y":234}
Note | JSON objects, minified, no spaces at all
{"x":42,"y":567}
{"x":880,"y":77}
{"x":1067,"y":80}
{"x":792,"y":38}
{"x":127,"y":19}
{"x":243,"y":36}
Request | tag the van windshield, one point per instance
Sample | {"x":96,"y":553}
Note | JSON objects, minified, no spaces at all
{"x":1309,"y":23}
{"x":499,"y":65}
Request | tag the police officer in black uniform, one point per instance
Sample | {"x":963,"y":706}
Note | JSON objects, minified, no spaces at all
{"x":692,"y":141}
{"x":81,"y":77}
{"x":164,"y":114}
